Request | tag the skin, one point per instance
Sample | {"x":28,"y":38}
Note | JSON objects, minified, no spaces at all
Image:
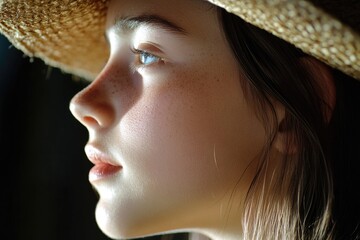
{"x":180,"y":127}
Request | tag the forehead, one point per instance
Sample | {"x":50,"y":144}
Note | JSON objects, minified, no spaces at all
{"x":186,"y":13}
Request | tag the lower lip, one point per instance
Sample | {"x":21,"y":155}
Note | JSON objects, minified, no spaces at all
{"x":102,"y":170}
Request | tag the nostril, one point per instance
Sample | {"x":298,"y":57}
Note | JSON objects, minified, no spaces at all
{"x":90,"y":121}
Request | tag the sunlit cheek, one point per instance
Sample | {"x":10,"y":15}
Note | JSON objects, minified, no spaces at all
{"x":163,"y":131}
{"x":149,"y":126}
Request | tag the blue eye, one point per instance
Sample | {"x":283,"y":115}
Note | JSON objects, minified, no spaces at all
{"x":144,"y":58}
{"x":147,"y":58}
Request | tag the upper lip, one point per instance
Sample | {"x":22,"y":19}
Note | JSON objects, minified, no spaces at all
{"x":96,"y":156}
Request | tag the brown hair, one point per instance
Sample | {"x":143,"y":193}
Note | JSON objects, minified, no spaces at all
{"x":301,"y":200}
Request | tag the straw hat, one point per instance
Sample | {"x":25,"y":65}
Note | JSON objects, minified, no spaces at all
{"x":69,"y":34}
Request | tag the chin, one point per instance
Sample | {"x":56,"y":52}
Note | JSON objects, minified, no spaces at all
{"x":114,"y":226}
{"x":106,"y":223}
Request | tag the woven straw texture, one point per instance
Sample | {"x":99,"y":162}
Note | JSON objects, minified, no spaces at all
{"x":64,"y":33}
{"x":69,"y":34}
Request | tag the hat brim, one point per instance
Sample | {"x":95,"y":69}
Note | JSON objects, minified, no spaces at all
{"x":69,"y":34}
{"x":65,"y":34}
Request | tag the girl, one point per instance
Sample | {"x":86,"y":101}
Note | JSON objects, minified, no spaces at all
{"x":201,"y":122}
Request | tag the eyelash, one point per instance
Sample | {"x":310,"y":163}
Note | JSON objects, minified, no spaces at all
{"x":138,"y":64}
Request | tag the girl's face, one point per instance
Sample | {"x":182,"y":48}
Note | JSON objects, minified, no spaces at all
{"x":169,"y":111}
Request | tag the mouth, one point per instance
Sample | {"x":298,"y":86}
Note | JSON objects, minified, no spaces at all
{"x":104,"y":166}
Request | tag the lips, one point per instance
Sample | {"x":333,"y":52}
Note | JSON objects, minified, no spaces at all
{"x":104,"y":166}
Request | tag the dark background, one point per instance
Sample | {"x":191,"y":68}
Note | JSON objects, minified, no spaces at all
{"x":45,"y":193}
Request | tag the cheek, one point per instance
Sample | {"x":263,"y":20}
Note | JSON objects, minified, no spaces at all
{"x":191,"y":131}
{"x":167,"y":124}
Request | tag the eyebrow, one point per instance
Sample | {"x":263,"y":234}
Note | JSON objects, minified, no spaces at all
{"x":130,"y":24}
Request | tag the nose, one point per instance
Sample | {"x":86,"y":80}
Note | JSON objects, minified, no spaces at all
{"x":93,"y":106}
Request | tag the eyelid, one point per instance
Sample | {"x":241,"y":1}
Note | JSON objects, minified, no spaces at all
{"x":137,"y":65}
{"x":152,"y":48}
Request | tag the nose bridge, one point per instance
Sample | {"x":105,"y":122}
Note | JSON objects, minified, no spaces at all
{"x":106,"y":99}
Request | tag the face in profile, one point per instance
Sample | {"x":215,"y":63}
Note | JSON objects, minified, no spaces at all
{"x":173,"y":140}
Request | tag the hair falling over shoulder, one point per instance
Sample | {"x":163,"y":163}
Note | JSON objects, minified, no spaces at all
{"x":310,"y":194}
